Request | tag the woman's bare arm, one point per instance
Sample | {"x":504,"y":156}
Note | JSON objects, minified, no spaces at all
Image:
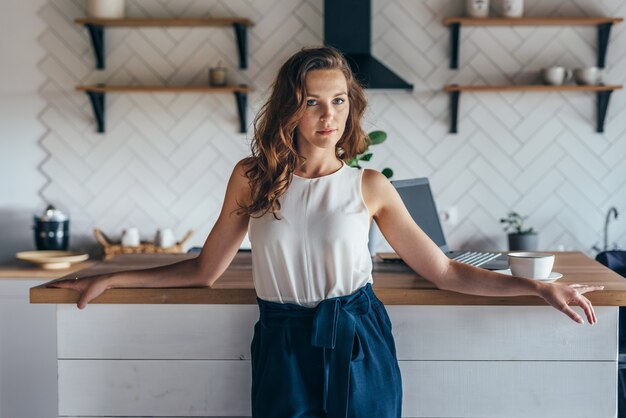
{"x":421,"y":254}
{"x":217,"y":253}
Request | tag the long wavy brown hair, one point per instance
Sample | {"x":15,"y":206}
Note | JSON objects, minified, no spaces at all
{"x":274,"y":155}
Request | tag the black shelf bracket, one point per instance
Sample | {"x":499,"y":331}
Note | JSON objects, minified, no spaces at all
{"x":455,"y":30}
{"x":242,"y":44}
{"x":454,"y":110}
{"x":604,"y":32}
{"x":96,"y":33}
{"x":97,"y":103}
{"x":602,"y":106}
{"x":241,"y":99}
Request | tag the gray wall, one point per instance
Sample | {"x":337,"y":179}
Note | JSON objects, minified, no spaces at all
{"x":165,"y":158}
{"x":20,"y":103}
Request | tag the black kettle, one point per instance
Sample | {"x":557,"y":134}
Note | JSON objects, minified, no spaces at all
{"x":52,"y":230}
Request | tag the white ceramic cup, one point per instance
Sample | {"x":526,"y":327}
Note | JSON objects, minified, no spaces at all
{"x":130,"y":237}
{"x":477,"y":8}
{"x":556,"y":76}
{"x":587,"y":76}
{"x":106,"y":9}
{"x":531,"y":265}
{"x":512,"y":8}
{"x":165,"y":238}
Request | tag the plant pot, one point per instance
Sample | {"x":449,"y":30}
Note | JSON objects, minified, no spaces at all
{"x":105,"y":9}
{"x":523,"y":242}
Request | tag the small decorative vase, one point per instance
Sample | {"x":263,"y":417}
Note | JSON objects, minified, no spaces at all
{"x":106,"y":9}
{"x":512,"y":8}
{"x":477,"y":8}
{"x":523,"y":242}
{"x":217,"y":76}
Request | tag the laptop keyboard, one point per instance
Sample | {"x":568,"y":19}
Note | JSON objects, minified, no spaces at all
{"x":476,"y":258}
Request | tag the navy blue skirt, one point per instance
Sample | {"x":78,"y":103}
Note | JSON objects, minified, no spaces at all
{"x":337,"y":360}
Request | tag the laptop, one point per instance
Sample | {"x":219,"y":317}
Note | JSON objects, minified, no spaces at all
{"x":419,"y":201}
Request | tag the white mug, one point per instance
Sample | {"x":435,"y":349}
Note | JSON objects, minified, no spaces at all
{"x":130,"y":237}
{"x":531,"y":265}
{"x":477,"y":8}
{"x":165,"y":238}
{"x":556,"y":76}
{"x":587,"y":76}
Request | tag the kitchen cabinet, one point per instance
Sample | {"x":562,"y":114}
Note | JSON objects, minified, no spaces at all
{"x":28,"y":341}
{"x":28,"y":358}
{"x":603,"y":93}
{"x":186,"y":351}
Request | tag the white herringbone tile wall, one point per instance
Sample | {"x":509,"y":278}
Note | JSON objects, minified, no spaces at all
{"x":165,"y":159}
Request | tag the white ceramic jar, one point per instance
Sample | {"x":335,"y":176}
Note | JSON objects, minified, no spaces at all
{"x":477,"y":8}
{"x":512,"y":8}
{"x":106,"y":9}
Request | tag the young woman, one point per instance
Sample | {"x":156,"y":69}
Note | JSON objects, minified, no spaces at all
{"x":323,"y":343}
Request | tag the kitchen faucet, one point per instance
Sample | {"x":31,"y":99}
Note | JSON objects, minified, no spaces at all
{"x":612,"y":210}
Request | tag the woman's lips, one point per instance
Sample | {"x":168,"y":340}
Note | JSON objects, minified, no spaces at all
{"x":326,"y":131}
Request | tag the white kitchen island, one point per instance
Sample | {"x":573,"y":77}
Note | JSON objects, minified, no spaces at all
{"x":186,"y":352}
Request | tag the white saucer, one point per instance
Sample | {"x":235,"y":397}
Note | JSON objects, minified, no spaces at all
{"x":553,"y":277}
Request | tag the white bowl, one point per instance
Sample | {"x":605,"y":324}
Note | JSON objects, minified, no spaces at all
{"x":52,"y":260}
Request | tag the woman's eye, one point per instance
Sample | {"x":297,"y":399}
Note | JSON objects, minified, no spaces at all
{"x":339,"y":100}
{"x":311,"y":102}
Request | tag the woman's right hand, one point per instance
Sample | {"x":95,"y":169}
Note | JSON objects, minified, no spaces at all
{"x":89,"y":287}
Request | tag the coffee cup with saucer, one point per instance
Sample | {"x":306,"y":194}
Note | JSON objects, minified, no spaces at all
{"x":532,"y":265}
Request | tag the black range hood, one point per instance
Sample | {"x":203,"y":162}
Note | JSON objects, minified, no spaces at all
{"x":348,"y":27}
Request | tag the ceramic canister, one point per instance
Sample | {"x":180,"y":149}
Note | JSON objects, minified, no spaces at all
{"x":52,"y":230}
{"x":477,"y":8}
{"x":512,"y":8}
{"x":106,"y":9}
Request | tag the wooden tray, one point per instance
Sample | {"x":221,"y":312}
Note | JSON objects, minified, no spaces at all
{"x":111,"y":249}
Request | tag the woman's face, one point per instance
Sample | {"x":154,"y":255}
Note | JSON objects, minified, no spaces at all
{"x":327,"y":109}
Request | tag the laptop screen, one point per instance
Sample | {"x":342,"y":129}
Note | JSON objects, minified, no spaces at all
{"x":419,"y":201}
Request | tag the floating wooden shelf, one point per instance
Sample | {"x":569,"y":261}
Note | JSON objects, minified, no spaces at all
{"x":530,"y":21}
{"x":97,"y":94}
{"x":172,"y":89}
{"x":531,"y":87}
{"x":96,"y":31}
{"x":604,"y":25}
{"x":603,"y":93}
{"x":165,"y":22}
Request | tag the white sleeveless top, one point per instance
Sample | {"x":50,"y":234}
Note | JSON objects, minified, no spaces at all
{"x":318,"y":248}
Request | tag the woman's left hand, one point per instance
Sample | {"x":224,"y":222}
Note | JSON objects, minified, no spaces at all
{"x":561,"y":296}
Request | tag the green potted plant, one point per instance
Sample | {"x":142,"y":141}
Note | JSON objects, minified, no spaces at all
{"x":373,"y":138}
{"x":520,"y":238}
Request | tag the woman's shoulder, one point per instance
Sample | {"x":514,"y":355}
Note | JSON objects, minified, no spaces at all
{"x":240,"y":181}
{"x":374,"y":179}
{"x":375,"y":188}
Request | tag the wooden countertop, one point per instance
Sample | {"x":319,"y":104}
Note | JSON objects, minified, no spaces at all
{"x":17,"y":269}
{"x":394,"y":284}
